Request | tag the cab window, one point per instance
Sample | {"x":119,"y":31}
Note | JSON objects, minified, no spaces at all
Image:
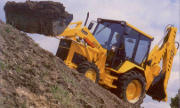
{"x":102,"y":34}
{"x":131,"y":38}
{"x":142,"y":49}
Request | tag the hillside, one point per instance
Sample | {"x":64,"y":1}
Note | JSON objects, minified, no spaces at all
{"x":31,"y":77}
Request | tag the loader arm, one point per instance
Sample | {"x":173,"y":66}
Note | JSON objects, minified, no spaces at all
{"x":80,"y":33}
{"x":158,"y":75}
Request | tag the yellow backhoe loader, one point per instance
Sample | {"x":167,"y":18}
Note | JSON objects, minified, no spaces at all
{"x":117,"y":56}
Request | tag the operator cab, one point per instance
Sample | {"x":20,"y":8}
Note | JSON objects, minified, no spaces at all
{"x":122,"y":41}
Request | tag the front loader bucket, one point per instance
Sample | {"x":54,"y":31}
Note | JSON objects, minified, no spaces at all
{"x":44,"y":17}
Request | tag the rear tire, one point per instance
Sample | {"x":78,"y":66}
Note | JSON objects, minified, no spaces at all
{"x":90,"y":70}
{"x":131,"y":88}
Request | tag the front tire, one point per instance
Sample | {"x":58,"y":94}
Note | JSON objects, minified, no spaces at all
{"x":90,"y":70}
{"x":131,"y":87}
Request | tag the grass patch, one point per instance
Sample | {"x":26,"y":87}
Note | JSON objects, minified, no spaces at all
{"x":24,"y":104}
{"x":18,"y":69}
{"x":47,"y":65}
{"x":7,"y":30}
{"x":2,"y":66}
{"x":62,"y":95}
{"x":68,"y":79}
{"x":37,"y":45}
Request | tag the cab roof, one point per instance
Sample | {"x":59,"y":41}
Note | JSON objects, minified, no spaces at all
{"x":101,"y":20}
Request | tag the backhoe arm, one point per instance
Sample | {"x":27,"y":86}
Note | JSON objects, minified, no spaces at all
{"x":159,"y":75}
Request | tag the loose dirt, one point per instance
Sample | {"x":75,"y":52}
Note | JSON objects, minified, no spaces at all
{"x":44,"y":17}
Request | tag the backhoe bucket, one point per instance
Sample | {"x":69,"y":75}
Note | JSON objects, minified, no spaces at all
{"x":44,"y":17}
{"x":156,"y":90}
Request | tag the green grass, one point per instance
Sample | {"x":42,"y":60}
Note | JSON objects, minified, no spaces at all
{"x":18,"y":69}
{"x":37,"y":45}
{"x":68,"y":79}
{"x":47,"y":65}
{"x":7,"y":30}
{"x":2,"y":66}
{"x":62,"y":95}
{"x":24,"y":104}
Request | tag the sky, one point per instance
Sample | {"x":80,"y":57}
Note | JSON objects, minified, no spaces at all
{"x":150,"y":16}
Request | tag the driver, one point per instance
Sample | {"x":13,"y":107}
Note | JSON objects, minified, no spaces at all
{"x":118,"y":40}
{"x":119,"y":50}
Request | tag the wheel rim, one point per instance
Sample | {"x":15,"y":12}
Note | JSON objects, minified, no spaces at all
{"x":133,"y":91}
{"x":91,"y":74}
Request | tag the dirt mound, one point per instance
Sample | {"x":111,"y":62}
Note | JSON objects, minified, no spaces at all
{"x":31,"y":77}
{"x":44,"y":17}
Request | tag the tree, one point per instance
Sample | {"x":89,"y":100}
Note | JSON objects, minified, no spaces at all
{"x":175,"y":102}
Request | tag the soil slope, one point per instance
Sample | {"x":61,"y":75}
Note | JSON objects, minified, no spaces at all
{"x":31,"y":77}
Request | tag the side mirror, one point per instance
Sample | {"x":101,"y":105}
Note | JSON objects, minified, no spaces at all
{"x":90,"y":26}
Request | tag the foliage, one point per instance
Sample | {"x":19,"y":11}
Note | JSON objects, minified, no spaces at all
{"x":174,"y":102}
